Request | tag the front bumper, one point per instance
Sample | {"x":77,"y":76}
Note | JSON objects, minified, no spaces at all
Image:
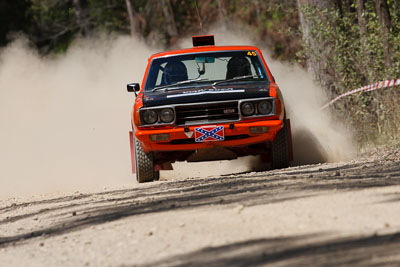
{"x":181,"y":140}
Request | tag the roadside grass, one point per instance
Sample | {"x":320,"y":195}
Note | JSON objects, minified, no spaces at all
{"x":374,"y":116}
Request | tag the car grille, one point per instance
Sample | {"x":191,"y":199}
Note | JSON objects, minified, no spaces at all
{"x":206,"y":113}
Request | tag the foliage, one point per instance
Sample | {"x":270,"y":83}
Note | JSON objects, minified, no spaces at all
{"x":109,"y":15}
{"x":13,"y":18}
{"x":52,"y":24}
{"x":274,"y":22}
{"x":352,"y":59}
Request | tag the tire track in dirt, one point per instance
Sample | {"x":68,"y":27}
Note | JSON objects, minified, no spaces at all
{"x":26,"y":224}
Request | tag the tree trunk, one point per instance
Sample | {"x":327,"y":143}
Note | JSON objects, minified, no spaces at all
{"x":361,"y":20}
{"x":133,"y":22}
{"x":382,"y":10}
{"x":365,"y":60}
{"x":82,"y":16}
{"x":339,"y":6}
{"x":314,"y":65}
{"x":221,"y":10}
{"x":169,"y":17}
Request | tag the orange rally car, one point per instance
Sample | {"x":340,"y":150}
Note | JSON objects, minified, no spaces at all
{"x":207,"y":103}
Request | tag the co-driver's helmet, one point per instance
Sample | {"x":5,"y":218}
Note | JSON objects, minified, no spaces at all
{"x":175,"y":71}
{"x":238,"y":66}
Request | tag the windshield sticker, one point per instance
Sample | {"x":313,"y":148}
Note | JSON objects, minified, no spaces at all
{"x":252,"y":53}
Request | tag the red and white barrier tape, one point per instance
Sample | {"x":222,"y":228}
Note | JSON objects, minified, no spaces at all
{"x":367,"y":88}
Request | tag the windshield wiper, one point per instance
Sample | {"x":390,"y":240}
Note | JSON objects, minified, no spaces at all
{"x":234,"y":79}
{"x":178,"y":83}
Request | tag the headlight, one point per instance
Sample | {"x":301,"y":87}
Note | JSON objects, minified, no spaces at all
{"x":149,"y":116}
{"x":264,"y":107}
{"x":167,"y":115}
{"x":247,"y":108}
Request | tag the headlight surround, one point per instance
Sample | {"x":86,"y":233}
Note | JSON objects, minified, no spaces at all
{"x":247,"y":108}
{"x":264,"y":107}
{"x":257,"y":107}
{"x":167,"y":115}
{"x":149,"y":116}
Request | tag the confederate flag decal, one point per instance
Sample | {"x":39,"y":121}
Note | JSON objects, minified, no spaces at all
{"x":209,"y":133}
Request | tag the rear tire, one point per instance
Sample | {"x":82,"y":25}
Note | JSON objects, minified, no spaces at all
{"x":280,"y":149}
{"x":144,"y":165}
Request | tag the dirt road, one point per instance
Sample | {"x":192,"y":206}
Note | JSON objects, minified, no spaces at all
{"x":336,"y":214}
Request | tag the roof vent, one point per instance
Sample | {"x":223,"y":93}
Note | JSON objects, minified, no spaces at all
{"x":203,"y":40}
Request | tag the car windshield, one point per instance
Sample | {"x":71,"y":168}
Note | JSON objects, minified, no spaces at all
{"x":216,"y":68}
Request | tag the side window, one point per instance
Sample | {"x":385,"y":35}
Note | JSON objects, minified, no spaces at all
{"x":191,"y":67}
{"x":253,"y":70}
{"x":160,"y":74}
{"x":217,"y":70}
{"x":213,"y":71}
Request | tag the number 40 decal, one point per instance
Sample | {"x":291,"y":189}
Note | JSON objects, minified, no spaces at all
{"x":251,"y":53}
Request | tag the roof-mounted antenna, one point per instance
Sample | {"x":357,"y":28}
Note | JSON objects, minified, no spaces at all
{"x":198,"y":14}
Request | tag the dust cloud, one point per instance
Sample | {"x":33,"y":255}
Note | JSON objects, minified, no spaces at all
{"x":317,"y":138}
{"x":65,"y":119}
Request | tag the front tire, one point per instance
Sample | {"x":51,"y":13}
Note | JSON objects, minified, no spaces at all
{"x":144,"y":163}
{"x":280,"y":149}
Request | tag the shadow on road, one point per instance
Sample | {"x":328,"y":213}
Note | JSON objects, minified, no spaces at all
{"x":80,"y":211}
{"x":296,"y":251}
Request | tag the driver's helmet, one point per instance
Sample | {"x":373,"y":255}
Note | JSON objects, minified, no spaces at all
{"x":237,"y":66}
{"x":175,"y":71}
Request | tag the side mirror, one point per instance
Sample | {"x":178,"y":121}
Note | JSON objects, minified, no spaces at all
{"x":133,"y":87}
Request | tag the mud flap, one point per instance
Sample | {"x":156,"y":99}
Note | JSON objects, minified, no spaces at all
{"x":132,"y":152}
{"x":290,"y":142}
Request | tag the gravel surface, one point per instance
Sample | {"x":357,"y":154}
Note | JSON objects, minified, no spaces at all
{"x":324,"y":214}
